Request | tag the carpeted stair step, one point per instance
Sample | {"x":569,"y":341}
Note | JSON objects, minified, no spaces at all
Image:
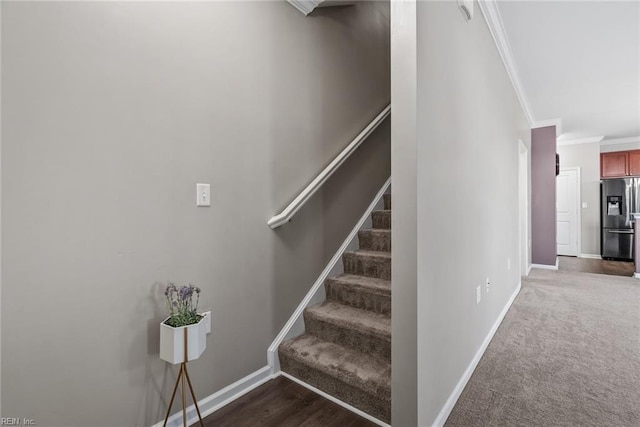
{"x":375,"y":240}
{"x":362,"y":292}
{"x":362,"y":330}
{"x":368,"y":263}
{"x":381,"y":219}
{"x":351,"y":376}
{"x":387,"y":201}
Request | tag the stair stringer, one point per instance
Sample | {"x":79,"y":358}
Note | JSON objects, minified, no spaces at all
{"x":295,"y":325}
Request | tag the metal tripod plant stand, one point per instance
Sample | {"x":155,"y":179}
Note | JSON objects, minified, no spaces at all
{"x":183,"y":375}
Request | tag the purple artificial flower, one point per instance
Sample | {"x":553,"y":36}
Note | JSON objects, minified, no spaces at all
{"x":185,"y":292}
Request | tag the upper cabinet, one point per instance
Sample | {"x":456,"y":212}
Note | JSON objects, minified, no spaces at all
{"x":634,"y":162}
{"x":614,"y":165}
{"x":620,"y":164}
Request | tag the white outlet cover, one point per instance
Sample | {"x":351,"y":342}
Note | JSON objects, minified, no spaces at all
{"x":478,"y":294}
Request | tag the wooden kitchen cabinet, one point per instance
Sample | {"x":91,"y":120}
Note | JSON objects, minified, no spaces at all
{"x":615,"y":165}
{"x":634,"y":163}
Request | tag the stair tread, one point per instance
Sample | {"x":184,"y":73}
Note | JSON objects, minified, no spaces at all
{"x":340,"y":362}
{"x":374,"y":283}
{"x":376,"y":230}
{"x":373,"y":254}
{"x":345,"y":316}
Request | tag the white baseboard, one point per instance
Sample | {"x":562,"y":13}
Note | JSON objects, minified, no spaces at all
{"x":333,"y":399}
{"x":546,"y":266}
{"x":529,"y":269}
{"x":590,"y":256}
{"x":217,"y":400}
{"x":636,"y":275}
{"x":457,"y":391}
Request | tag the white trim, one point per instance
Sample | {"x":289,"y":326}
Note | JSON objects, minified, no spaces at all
{"x":334,"y":400}
{"x":551,"y":122}
{"x":217,"y":400}
{"x":492,"y":17}
{"x":455,"y":394}
{"x":529,"y":269}
{"x":305,"y":6}
{"x":562,"y":143}
{"x":616,"y":141}
{"x":272,"y":357}
{"x":545,"y":266}
{"x":523,"y":209}
{"x":590,"y":256}
{"x":636,"y":275}
{"x":297,"y":203}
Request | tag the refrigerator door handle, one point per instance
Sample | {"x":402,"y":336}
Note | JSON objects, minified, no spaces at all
{"x":620,"y":231}
{"x":633,"y":206}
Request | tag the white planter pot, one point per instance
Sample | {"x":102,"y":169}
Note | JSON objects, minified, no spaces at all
{"x":172,"y":341}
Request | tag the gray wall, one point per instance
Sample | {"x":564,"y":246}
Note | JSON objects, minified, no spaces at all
{"x":620,"y":147}
{"x":112,"y":112}
{"x":587,"y":158}
{"x":469,"y":122}
{"x":404,"y":399}
{"x":0,"y":213}
{"x":543,"y":196}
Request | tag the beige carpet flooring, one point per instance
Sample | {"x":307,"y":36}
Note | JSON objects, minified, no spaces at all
{"x":566,"y":354}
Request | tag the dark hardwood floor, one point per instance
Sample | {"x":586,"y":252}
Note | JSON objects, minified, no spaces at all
{"x":598,"y":266}
{"x":283,"y":403}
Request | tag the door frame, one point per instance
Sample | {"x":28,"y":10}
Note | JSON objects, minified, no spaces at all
{"x":524,"y":246}
{"x":578,"y":209}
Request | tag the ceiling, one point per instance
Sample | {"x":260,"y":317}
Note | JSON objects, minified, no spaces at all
{"x":577,"y":61}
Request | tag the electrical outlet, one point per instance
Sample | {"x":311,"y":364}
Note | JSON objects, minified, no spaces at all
{"x":478,"y":294}
{"x":207,"y":321}
{"x":508,"y":263}
{"x":488,"y":284}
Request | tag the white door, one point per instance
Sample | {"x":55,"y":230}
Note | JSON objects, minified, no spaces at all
{"x":567,"y":190}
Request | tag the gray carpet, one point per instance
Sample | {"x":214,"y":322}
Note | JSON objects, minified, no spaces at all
{"x":566,"y":354}
{"x":346,"y":348}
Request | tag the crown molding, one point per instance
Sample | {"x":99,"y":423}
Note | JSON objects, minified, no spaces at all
{"x":590,"y":140}
{"x":551,"y":122}
{"x":489,"y":9}
{"x":616,"y":141}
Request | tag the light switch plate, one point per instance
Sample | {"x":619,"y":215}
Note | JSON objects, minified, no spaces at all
{"x":203,"y":195}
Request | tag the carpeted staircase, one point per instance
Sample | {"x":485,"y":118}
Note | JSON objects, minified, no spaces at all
{"x":346,"y":349}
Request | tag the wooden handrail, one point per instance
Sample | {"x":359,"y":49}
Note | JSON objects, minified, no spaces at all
{"x":297,"y":203}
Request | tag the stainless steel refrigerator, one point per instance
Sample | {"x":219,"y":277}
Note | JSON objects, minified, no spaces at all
{"x":619,"y":199}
